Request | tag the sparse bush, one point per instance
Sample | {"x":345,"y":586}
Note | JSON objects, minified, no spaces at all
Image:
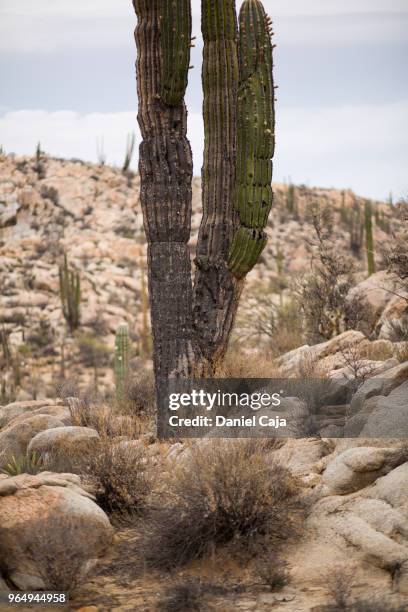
{"x":322,"y":294}
{"x":139,"y":394}
{"x":226,"y":491}
{"x":183,"y":596}
{"x":376,"y":605}
{"x":339,"y":584}
{"x":121,"y":474}
{"x":103,"y":418}
{"x":397,"y":254}
{"x":59,"y":552}
{"x":50,"y":193}
{"x":93,"y":352}
{"x":272,"y":570}
{"x":237,"y":364}
{"x":263,"y":317}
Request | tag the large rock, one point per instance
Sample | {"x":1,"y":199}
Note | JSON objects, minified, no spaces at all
{"x":374,"y":293}
{"x":367,"y":529}
{"x":306,"y":357}
{"x":29,"y":408}
{"x":49,"y":527}
{"x":381,"y":384}
{"x":65,"y":447}
{"x":356,"y":468}
{"x":15,"y":437}
{"x":395,"y":312}
{"x":389,"y":417}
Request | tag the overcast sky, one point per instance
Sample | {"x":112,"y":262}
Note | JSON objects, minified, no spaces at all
{"x":67,"y":79}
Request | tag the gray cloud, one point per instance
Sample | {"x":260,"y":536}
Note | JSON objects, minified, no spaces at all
{"x":47,"y":25}
{"x":362,"y":147}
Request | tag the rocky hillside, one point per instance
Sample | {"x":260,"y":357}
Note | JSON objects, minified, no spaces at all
{"x":49,"y":207}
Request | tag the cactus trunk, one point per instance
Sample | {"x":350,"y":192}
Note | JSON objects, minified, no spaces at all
{"x":216,"y":290}
{"x":165,"y":165}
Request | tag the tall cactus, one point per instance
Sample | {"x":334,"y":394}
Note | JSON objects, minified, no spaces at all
{"x":70,"y":294}
{"x":190,"y":326}
{"x":122,"y":350}
{"x":216,"y":289}
{"x":369,"y":239}
{"x":255,"y":137}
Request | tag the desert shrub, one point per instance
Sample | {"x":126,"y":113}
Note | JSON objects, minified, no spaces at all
{"x":41,"y":336}
{"x":322,"y":293}
{"x":139,"y":393}
{"x":339,"y":584}
{"x":183,"y":596}
{"x":383,"y":604}
{"x":104,"y":418}
{"x":397,"y":252}
{"x":50,"y":193}
{"x":238,"y":364}
{"x":30,"y":463}
{"x":59,"y":552}
{"x":264,"y":317}
{"x":226,"y":491}
{"x":121,"y":475}
{"x":376,"y":605}
{"x":272,"y":570}
{"x":93,"y":352}
{"x":401,"y":352}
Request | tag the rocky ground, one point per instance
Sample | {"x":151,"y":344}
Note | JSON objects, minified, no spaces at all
{"x":67,"y":457}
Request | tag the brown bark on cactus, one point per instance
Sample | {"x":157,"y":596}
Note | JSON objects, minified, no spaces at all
{"x":165,"y":165}
{"x":216,"y":290}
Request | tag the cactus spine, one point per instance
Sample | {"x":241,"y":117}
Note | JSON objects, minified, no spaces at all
{"x":122,"y":351}
{"x":255,"y":137}
{"x":175,"y":37}
{"x":368,"y":227}
{"x":70,"y":294}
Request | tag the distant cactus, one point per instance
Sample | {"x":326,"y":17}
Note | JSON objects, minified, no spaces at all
{"x":70,"y":294}
{"x":356,"y":229}
{"x":291,"y":198}
{"x":122,"y":350}
{"x":100,"y":151}
{"x":130,"y":147}
{"x":369,"y":240}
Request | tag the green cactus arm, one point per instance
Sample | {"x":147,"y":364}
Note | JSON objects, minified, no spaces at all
{"x":175,"y":41}
{"x":255,"y":134}
{"x":245,"y":250}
